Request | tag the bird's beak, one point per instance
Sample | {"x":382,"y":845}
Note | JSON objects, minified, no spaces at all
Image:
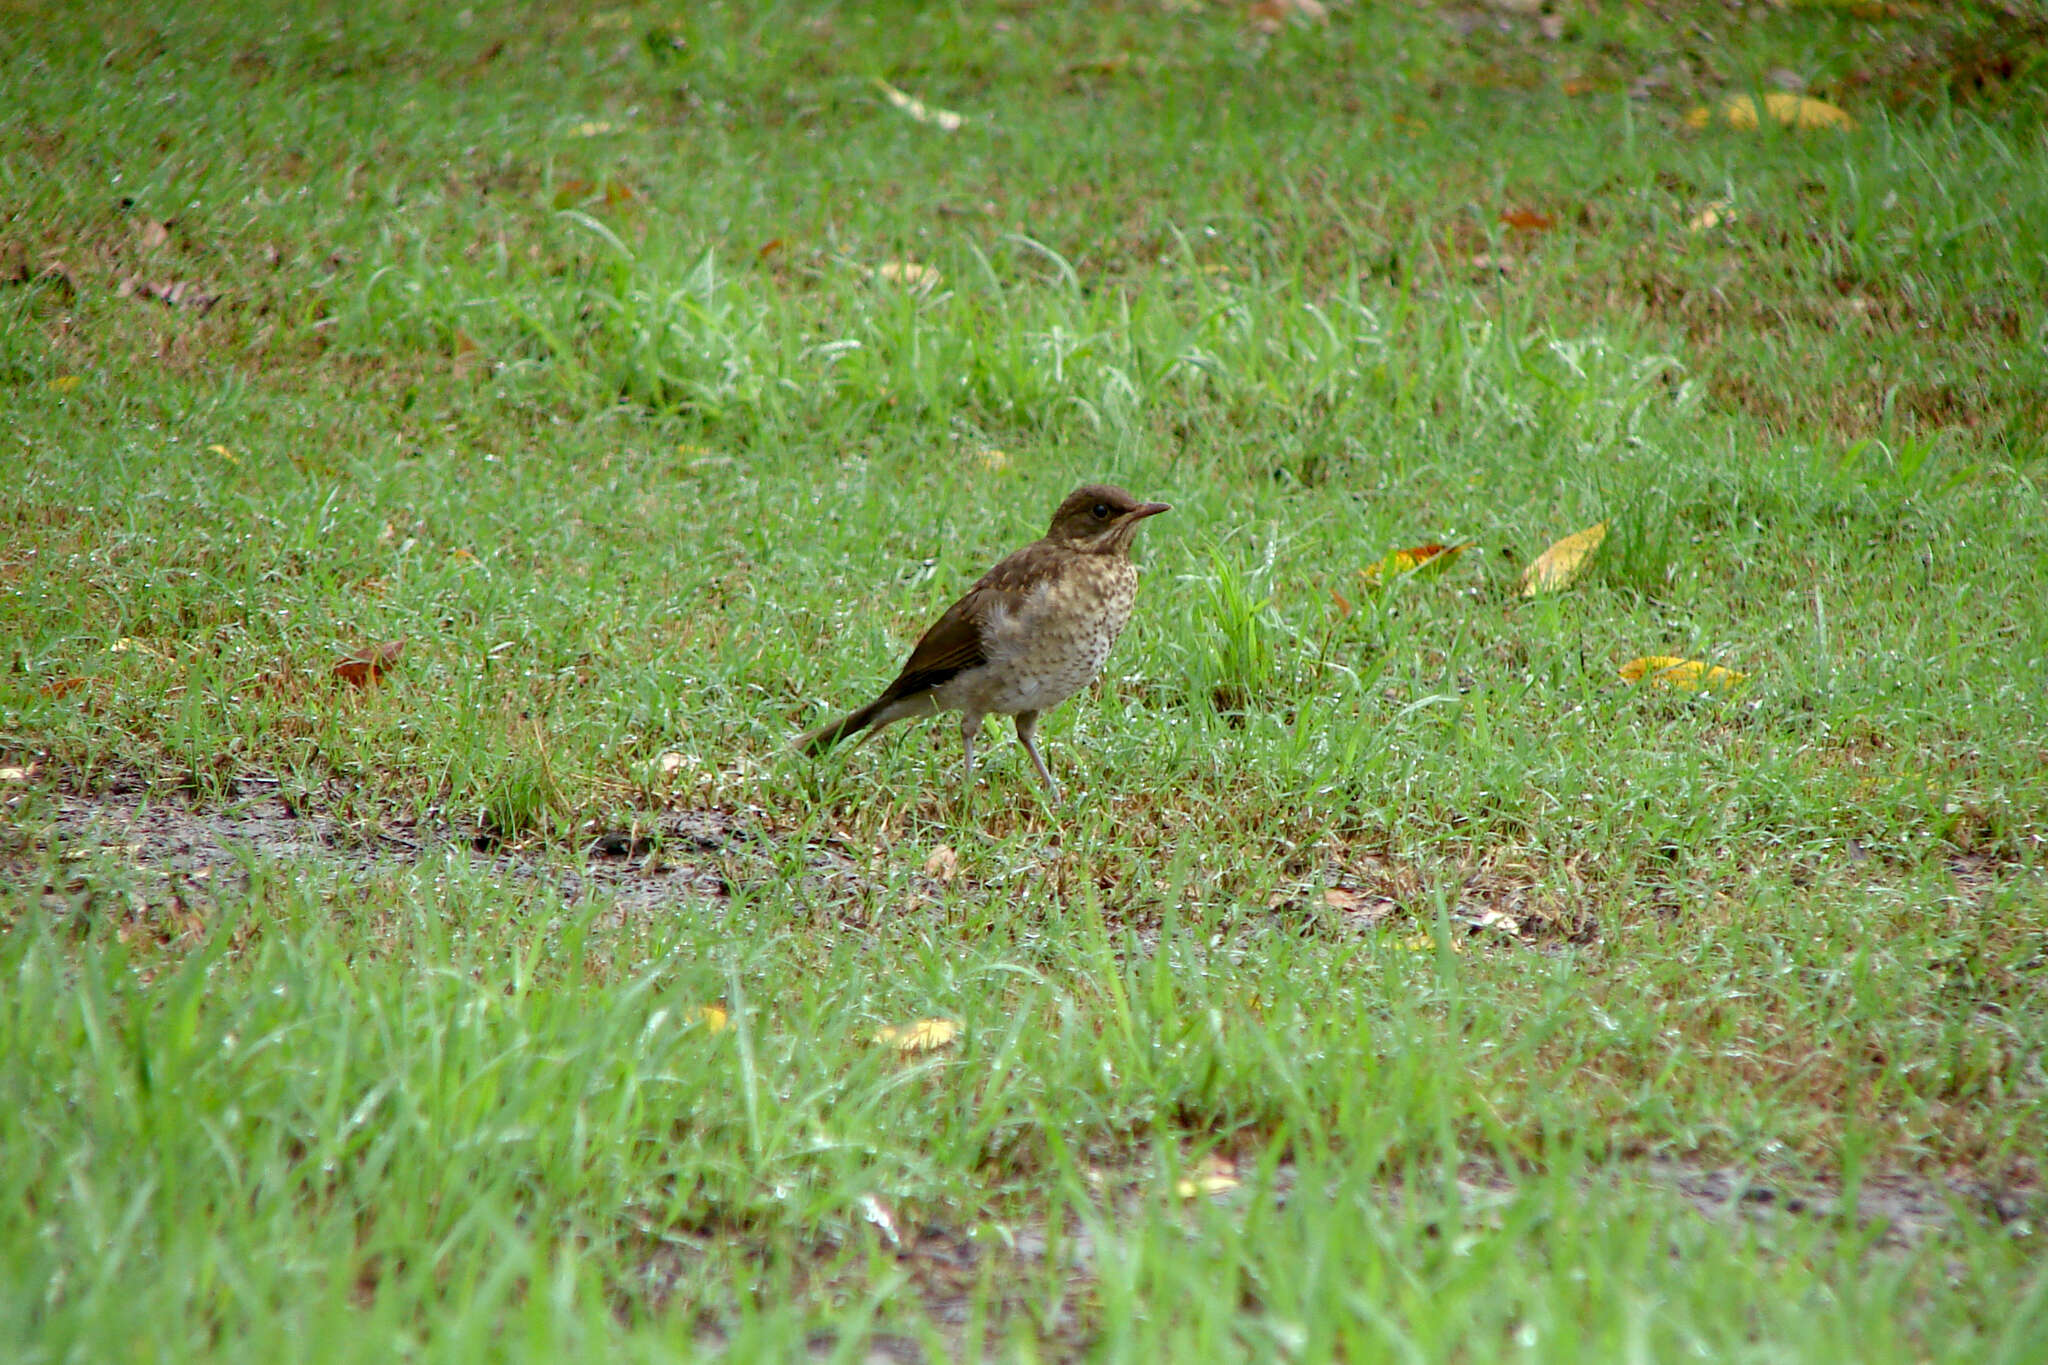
{"x":1146,"y":509}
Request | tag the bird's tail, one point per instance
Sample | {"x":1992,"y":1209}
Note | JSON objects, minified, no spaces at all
{"x":825,"y":736}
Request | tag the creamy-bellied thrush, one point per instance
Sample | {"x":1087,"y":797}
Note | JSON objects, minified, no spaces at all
{"x":1034,"y":631}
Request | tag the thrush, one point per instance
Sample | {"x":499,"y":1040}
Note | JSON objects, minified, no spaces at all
{"x":1034,"y":631}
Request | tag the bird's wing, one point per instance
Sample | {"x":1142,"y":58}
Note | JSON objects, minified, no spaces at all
{"x":954,"y":643}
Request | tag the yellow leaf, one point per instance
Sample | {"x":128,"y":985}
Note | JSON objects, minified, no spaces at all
{"x":1421,"y":560}
{"x":1213,"y":1175}
{"x":909,"y":274}
{"x":64,"y":383}
{"x":592,"y":128}
{"x":1662,"y":670}
{"x":1424,"y":943}
{"x":993,"y":460}
{"x":922,"y":1036}
{"x":910,"y":104}
{"x":713,"y":1017}
{"x":228,"y":455}
{"x":1715,"y":213}
{"x":1561,"y":564}
{"x":1794,"y":111}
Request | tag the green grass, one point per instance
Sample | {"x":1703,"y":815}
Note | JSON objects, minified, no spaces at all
{"x":555,"y":342}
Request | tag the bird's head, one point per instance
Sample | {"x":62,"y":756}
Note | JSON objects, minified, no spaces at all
{"x":1100,"y":518}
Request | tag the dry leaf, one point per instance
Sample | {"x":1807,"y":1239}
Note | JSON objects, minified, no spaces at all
{"x":1363,"y":909}
{"x":370,"y":663}
{"x":18,"y":774}
{"x":468,"y":355}
{"x":170,"y":293}
{"x":1425,"y":560}
{"x":1528,"y":220}
{"x":993,"y":460}
{"x":670,"y":763}
{"x":62,"y":686}
{"x":1426,"y":943}
{"x":713,"y":1017}
{"x":1714,"y":214}
{"x":1561,"y":564}
{"x":1270,"y":16}
{"x":1662,"y":670}
{"x":154,"y":234}
{"x":1341,"y":602}
{"x":1794,"y":111}
{"x":909,"y":274}
{"x":944,"y":863}
{"x":922,"y":1036}
{"x":1213,"y":1174}
{"x":64,"y":383}
{"x":592,"y":128}
{"x":944,"y":119}
{"x":875,"y":1211}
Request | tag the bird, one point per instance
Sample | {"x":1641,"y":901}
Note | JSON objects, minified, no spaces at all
{"x":1030,"y":633}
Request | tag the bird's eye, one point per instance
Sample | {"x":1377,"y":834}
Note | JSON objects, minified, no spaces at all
{"x":1101,"y":511}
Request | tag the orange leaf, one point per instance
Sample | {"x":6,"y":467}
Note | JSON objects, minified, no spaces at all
{"x":370,"y":663}
{"x":1433,"y":557}
{"x":1528,"y":220}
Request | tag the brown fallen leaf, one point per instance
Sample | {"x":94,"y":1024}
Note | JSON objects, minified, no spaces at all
{"x":944,"y":864}
{"x":1359,"y":909}
{"x":1663,"y":670}
{"x":1270,"y":16}
{"x":153,"y":234}
{"x":1561,"y":564}
{"x":468,"y":355}
{"x":19,"y":774}
{"x":170,"y":293}
{"x":1527,"y":220}
{"x":369,"y":664}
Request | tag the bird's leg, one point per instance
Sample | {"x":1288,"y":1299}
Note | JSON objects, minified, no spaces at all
{"x":970,"y":730}
{"x":1027,"y":730}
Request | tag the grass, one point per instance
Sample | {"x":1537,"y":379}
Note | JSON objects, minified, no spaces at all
{"x":1395,"y":981}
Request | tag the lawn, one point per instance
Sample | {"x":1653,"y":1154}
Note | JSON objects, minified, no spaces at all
{"x":451,"y":453}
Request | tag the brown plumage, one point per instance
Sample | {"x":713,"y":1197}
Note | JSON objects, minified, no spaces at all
{"x":1034,"y":631}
